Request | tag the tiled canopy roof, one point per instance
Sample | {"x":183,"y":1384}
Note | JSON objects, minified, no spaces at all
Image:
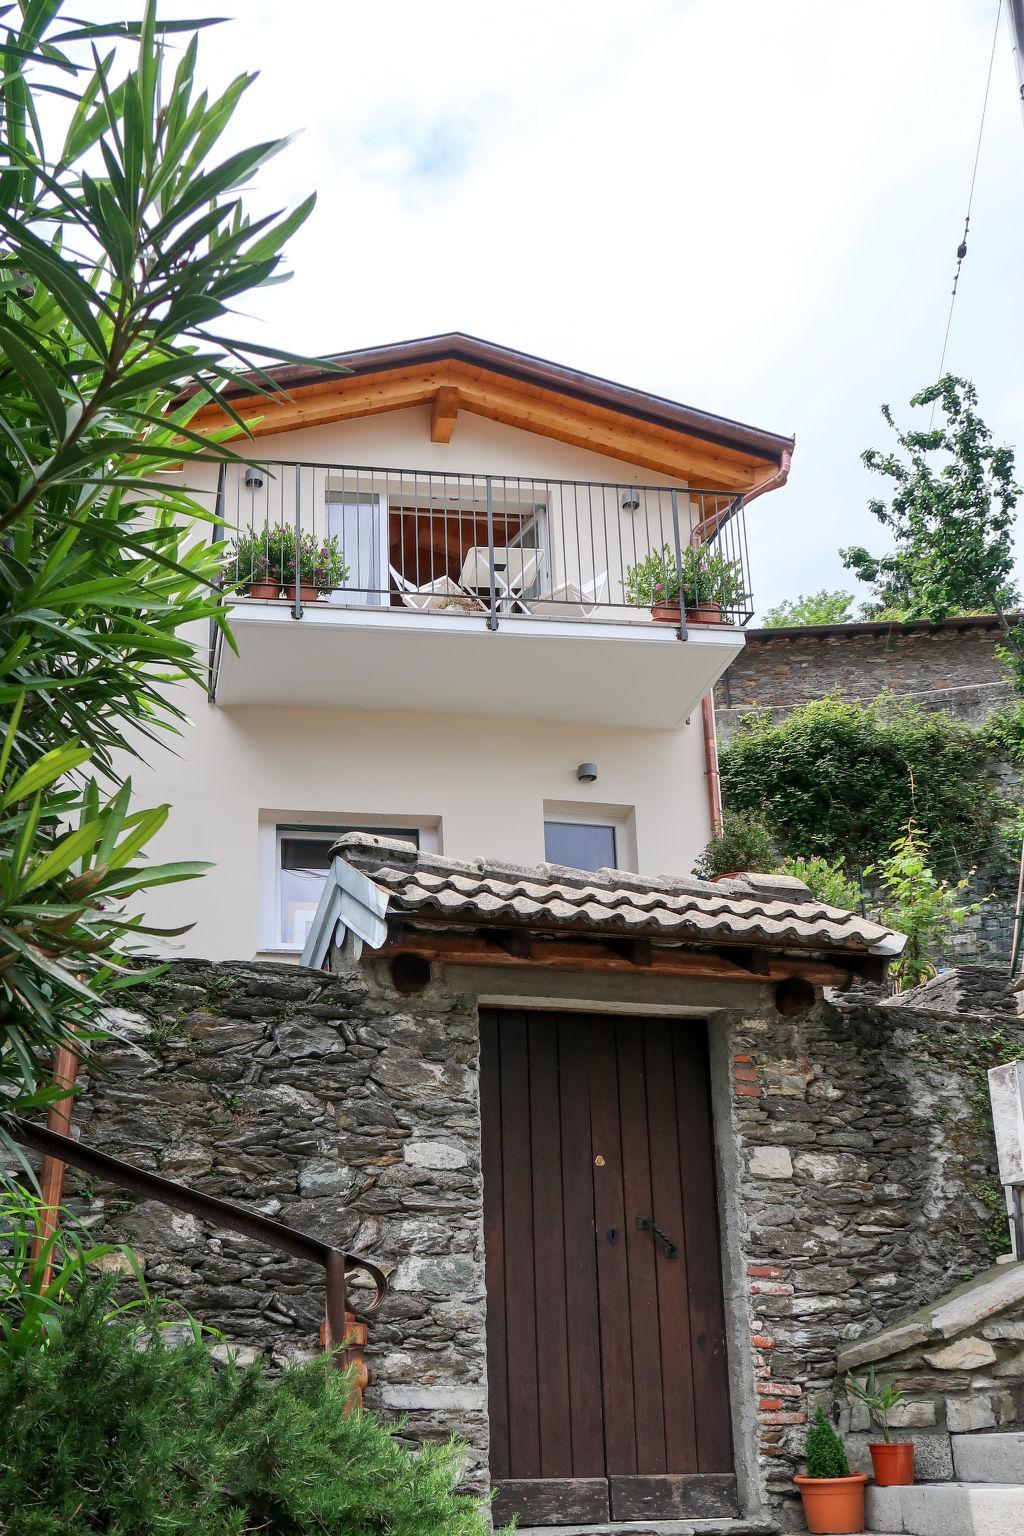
{"x":757,"y":910}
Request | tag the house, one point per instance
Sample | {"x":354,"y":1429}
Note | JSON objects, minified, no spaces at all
{"x":478,"y":671}
{"x":451,"y":998}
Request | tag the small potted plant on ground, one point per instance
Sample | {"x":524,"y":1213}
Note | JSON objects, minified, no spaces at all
{"x":892,"y":1460}
{"x":705,"y":583}
{"x":744,"y":845}
{"x":833,"y":1498}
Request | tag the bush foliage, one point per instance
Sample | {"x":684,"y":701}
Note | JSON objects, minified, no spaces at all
{"x":842,"y":780}
{"x":108,"y":1430}
{"x":825,"y":1451}
{"x":744,"y":846}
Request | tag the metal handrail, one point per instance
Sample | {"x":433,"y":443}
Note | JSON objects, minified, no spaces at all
{"x":597,"y":547}
{"x":301,"y":1245}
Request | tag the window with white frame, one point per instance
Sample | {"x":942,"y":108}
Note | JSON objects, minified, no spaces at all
{"x":589,"y":844}
{"x":295,"y":858}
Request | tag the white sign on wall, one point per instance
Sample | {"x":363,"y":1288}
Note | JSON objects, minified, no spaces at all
{"x":1006,"y":1090}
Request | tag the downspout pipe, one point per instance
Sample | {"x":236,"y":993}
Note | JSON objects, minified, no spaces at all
{"x":712,"y":777}
{"x":51,"y":1169}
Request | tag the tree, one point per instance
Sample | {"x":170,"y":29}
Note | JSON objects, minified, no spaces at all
{"x":951,"y":515}
{"x":821,"y":607}
{"x":122,"y":248}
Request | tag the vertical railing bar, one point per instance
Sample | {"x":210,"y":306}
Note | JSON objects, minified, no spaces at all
{"x":492,"y":617}
{"x":297,"y":600}
{"x":679,"y":563}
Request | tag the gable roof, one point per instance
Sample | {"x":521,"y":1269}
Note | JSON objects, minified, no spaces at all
{"x":756,"y":911}
{"x":455,"y":372}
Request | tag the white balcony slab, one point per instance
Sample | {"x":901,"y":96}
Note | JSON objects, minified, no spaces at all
{"x":616,"y":672}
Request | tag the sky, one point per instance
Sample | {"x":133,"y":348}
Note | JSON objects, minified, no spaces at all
{"x":751,"y":206}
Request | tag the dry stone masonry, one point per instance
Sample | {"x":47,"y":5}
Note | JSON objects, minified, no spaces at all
{"x":866,"y":1184}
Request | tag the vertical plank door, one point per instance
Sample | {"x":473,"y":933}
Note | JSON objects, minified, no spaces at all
{"x":606,"y":1362}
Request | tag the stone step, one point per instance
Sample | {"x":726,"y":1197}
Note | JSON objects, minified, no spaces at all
{"x":947,"y":1509}
{"x":982,"y":1458}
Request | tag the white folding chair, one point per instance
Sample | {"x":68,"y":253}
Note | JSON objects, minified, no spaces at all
{"x":569,"y":601}
{"x":435,"y":596}
{"x":522,"y":568}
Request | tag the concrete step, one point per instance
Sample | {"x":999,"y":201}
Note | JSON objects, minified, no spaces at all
{"x":947,"y":1509}
{"x":982,"y":1458}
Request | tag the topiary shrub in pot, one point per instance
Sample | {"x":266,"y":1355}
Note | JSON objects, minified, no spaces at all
{"x":833,"y":1497}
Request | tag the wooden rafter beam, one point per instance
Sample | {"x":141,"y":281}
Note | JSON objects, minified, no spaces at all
{"x":482,"y":949}
{"x":444,"y":413}
{"x":613,"y":434}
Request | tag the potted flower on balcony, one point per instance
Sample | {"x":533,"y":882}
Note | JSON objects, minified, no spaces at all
{"x":265,"y":562}
{"x":833,"y":1498}
{"x":256,"y":572}
{"x":706,"y":581}
{"x":321,"y":567}
{"x":891,"y":1460}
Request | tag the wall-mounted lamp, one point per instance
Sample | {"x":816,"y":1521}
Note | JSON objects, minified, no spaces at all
{"x":586,"y":773}
{"x":630,"y":500}
{"x":253,"y":479}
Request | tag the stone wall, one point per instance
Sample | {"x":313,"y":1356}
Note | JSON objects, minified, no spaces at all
{"x":865,"y":1184}
{"x":344,"y":1112}
{"x":781,"y":668}
{"x":869,"y":1183}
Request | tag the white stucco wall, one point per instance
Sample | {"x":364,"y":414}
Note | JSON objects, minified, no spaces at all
{"x":485,"y":781}
{"x":482,"y":782}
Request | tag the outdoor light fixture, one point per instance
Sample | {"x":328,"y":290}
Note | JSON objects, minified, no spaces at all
{"x":254,"y":479}
{"x":630,"y":501}
{"x":586,"y":773}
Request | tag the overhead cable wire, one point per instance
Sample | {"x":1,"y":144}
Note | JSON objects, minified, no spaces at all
{"x":961,"y":250}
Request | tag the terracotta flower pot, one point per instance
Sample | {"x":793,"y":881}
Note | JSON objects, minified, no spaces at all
{"x":893,"y":1464}
{"x":263,"y":589}
{"x":307,"y":592}
{"x":833,"y":1505}
{"x":665,"y":613}
{"x":705,"y":613}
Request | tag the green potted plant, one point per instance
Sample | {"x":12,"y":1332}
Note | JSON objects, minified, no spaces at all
{"x":743,"y":845}
{"x":833,"y":1497}
{"x":891,"y":1460}
{"x":265,"y":561}
{"x":256,"y":573}
{"x":705,"y":581}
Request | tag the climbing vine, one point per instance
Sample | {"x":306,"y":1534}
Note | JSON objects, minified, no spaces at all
{"x":843,"y":780}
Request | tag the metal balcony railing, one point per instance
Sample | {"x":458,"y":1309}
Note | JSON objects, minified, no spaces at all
{"x":483,"y":547}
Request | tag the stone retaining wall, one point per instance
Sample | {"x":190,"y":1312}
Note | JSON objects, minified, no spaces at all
{"x":865,"y":1182}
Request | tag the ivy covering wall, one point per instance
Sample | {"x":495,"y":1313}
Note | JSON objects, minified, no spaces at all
{"x":843,"y":779}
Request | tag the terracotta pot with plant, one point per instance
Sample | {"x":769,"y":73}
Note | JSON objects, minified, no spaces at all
{"x":265,"y":560}
{"x":892,"y":1460}
{"x":833,"y":1498}
{"x":705,"y":582}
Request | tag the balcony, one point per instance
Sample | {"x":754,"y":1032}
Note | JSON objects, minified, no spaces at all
{"x":477,"y":594}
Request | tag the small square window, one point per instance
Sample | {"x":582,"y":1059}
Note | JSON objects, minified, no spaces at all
{"x":580,"y":844}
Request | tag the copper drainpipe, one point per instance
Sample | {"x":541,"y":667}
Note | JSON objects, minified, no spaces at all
{"x":51,"y":1169}
{"x":707,"y":704}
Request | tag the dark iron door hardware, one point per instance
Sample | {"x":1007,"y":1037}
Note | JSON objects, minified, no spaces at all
{"x":613,"y":1235}
{"x":646,"y":1224}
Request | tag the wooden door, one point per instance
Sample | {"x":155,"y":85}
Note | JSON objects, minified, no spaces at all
{"x":606,"y":1361}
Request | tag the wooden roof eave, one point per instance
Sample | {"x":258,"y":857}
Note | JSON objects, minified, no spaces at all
{"x":701,"y":462}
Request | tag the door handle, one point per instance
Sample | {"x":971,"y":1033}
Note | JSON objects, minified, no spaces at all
{"x":646,"y":1224}
{"x":613,"y":1235}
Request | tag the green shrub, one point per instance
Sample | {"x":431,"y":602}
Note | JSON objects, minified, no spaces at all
{"x":705,"y":576}
{"x":107,"y":1430}
{"x":745,"y":844}
{"x":822,"y":607}
{"x":825,"y":1453}
{"x":826,"y":879}
{"x":842,"y":780}
{"x":918,"y":904}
